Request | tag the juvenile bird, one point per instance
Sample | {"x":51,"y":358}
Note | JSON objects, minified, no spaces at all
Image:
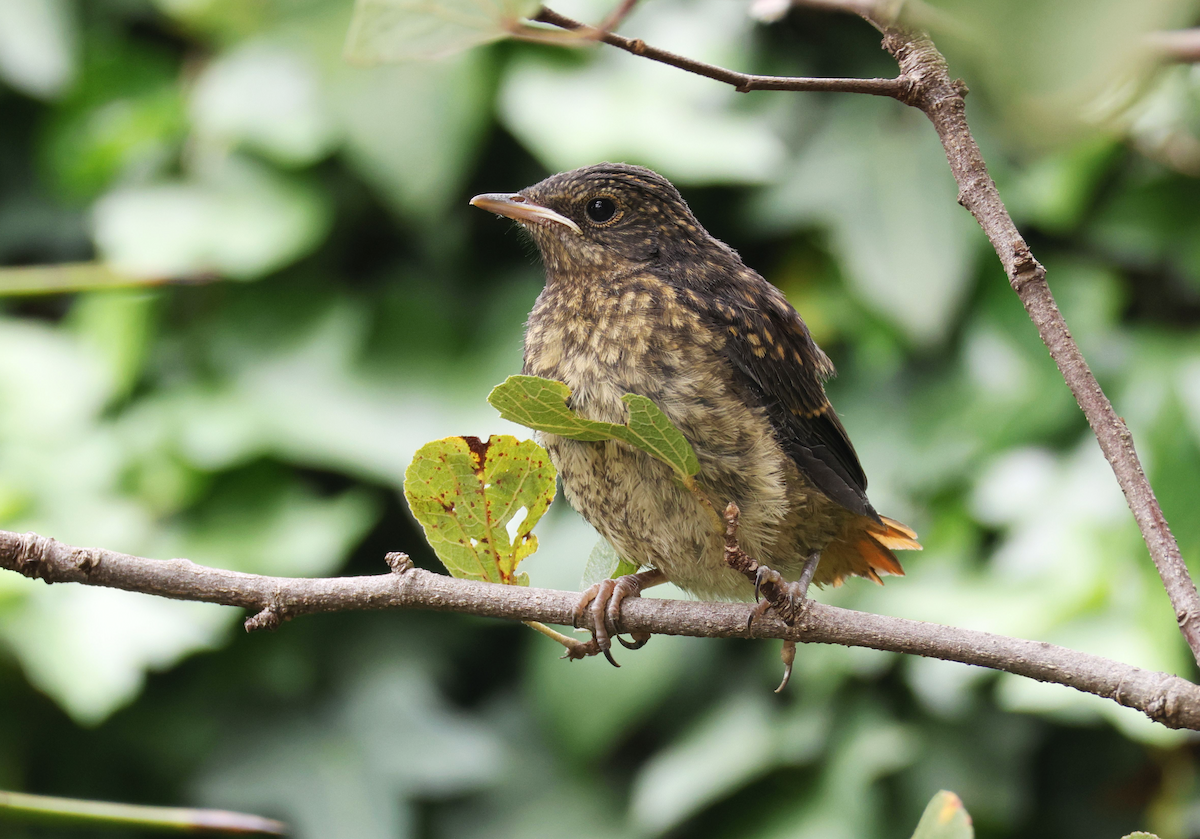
{"x":639,"y":298}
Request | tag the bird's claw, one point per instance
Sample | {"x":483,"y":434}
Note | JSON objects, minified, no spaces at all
{"x":602,"y":602}
{"x":639,"y":640}
{"x":788,"y":599}
{"x":788,"y":654}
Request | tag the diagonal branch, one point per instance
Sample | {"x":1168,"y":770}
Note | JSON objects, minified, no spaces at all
{"x":941,"y":100}
{"x":925,"y":84}
{"x":1164,"y":698}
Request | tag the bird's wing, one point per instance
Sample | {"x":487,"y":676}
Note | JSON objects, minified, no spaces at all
{"x":769,"y":344}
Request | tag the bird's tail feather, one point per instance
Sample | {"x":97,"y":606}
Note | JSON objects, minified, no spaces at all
{"x":870,"y":554}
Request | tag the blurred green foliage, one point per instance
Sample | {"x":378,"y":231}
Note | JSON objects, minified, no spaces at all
{"x":343,"y":306}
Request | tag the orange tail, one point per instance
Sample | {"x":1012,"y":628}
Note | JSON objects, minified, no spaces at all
{"x":870,"y":554}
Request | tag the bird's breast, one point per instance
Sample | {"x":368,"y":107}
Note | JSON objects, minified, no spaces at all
{"x":635,"y":334}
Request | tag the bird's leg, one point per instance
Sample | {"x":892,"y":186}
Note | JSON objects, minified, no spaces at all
{"x":787,"y":598}
{"x":794,"y":597}
{"x":603,"y":602}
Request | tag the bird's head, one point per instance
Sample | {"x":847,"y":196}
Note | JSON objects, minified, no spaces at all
{"x":610,"y":216}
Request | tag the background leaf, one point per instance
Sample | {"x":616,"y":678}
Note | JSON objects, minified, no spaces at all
{"x":875,"y":176}
{"x":689,"y":129}
{"x":239,"y":220}
{"x":38,"y":45}
{"x":604,"y":563}
{"x":396,"y":30}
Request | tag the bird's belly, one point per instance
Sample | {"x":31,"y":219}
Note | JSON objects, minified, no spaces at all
{"x":635,"y":502}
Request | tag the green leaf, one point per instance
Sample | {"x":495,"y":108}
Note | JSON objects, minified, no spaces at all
{"x":541,"y":404}
{"x":740,"y":735}
{"x":117,"y":326}
{"x":402,"y":30}
{"x":604,"y":563}
{"x":465,"y":493}
{"x":945,"y":818}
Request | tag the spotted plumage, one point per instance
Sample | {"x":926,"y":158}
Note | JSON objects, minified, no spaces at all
{"x":639,"y":298}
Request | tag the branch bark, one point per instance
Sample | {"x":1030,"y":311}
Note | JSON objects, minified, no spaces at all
{"x":1164,"y":698}
{"x":925,"y":83}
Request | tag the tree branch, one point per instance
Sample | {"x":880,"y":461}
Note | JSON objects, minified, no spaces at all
{"x":941,"y":99}
{"x":925,"y":84}
{"x":1164,"y":698}
{"x":743,"y":82}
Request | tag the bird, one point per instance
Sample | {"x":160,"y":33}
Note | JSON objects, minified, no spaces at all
{"x":640,"y":298}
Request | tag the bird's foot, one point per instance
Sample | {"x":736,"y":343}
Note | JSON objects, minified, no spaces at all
{"x":786,"y":598}
{"x":603,"y":603}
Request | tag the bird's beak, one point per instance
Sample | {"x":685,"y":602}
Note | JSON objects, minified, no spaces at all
{"x":516,"y":206}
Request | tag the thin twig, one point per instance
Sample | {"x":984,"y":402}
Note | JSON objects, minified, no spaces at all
{"x":1164,"y":698}
{"x":743,"y":82}
{"x":925,"y":84}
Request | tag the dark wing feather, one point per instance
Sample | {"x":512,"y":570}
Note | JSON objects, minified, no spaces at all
{"x":784,"y":369}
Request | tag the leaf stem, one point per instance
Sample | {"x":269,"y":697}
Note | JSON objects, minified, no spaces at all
{"x":566,"y":640}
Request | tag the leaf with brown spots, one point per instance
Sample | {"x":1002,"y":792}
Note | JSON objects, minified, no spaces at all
{"x":468,"y":496}
{"x":541,"y":404}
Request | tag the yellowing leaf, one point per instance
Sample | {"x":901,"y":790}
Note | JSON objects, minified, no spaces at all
{"x":945,"y":818}
{"x":402,"y":30}
{"x":541,"y":404}
{"x":468,"y":494}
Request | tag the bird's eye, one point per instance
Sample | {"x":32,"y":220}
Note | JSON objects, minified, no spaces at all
{"x":601,"y":210}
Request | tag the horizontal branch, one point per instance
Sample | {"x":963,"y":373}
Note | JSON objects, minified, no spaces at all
{"x":743,"y":82}
{"x":1164,"y":698}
